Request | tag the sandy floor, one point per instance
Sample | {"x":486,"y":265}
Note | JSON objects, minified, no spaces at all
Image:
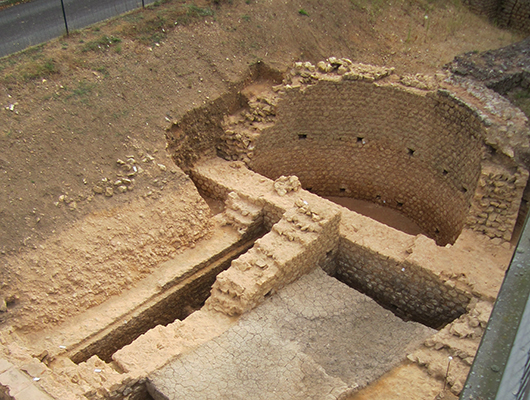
{"x":382,"y":214}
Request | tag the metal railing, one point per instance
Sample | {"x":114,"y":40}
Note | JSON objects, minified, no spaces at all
{"x":501,"y":370}
{"x":29,"y":24}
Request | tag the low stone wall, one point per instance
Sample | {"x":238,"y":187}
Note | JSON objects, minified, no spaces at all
{"x":306,"y":235}
{"x":410,"y":291}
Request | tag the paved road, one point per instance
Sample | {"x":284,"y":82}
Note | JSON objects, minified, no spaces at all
{"x":36,"y":22}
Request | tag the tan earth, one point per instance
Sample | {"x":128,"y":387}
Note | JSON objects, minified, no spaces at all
{"x":91,"y":202}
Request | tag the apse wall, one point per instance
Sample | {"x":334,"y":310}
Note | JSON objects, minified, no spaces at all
{"x":416,"y":152}
{"x":443,"y":150}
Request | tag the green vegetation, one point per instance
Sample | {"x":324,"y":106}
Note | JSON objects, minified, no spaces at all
{"x":193,"y":11}
{"x":31,"y":64}
{"x":303,"y":12}
{"x":103,"y":43}
{"x":7,"y":3}
{"x":150,"y":25}
{"x":521,"y":98}
{"x":81,"y":92}
{"x":38,"y":69}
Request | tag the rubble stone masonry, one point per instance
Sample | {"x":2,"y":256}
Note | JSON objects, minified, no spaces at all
{"x":507,"y":13}
{"x":421,"y":144}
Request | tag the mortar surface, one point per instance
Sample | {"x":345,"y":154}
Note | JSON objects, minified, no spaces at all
{"x":315,"y":339}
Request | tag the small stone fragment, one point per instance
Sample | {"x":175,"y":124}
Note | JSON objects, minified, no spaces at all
{"x":3,"y":306}
{"x":109,"y":192}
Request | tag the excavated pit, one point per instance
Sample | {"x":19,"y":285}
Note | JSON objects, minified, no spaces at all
{"x":175,"y":302}
{"x":403,"y":287}
{"x":348,"y":133}
{"x":358,"y":132}
{"x":398,"y":294}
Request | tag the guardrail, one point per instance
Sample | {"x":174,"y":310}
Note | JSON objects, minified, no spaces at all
{"x":501,"y":369}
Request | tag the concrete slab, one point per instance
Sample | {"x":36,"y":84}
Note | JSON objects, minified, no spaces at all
{"x":315,"y":339}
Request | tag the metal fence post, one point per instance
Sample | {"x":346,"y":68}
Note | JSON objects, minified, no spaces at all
{"x":64,"y":16}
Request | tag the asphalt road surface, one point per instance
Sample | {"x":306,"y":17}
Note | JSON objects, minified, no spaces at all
{"x":36,"y":22}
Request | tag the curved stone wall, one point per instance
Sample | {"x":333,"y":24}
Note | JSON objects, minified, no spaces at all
{"x":416,"y":152}
{"x":506,"y":13}
{"x":423,"y":145}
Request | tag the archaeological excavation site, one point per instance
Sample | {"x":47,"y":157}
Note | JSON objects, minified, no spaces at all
{"x":329,"y":229}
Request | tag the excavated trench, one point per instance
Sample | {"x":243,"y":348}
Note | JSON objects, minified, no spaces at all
{"x":416,"y":153}
{"x":175,"y":301}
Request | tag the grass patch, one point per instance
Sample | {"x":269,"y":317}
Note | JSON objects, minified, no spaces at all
{"x":38,"y":69}
{"x":303,"y":12}
{"x":103,"y":43}
{"x":521,"y":99}
{"x":81,"y":92}
{"x":102,"y":70}
{"x":152,"y":24}
{"x":7,"y":3}
{"x":194,"y":11}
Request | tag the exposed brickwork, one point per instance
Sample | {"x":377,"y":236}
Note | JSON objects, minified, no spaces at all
{"x":295,"y":246}
{"x":495,"y":210}
{"x":408,"y":151}
{"x":306,"y":235}
{"x":410,"y":290}
{"x":415,"y":143}
{"x":507,"y":13}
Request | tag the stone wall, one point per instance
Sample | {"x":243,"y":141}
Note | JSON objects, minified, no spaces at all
{"x":417,"y":144}
{"x":418,"y":153}
{"x":300,"y":241}
{"x":409,"y":274}
{"x":507,"y":13}
{"x":406,"y":288}
{"x":495,"y":209}
{"x":306,"y":235}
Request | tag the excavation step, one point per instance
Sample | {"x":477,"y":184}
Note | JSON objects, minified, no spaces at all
{"x":178,"y":287}
{"x":315,"y":339}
